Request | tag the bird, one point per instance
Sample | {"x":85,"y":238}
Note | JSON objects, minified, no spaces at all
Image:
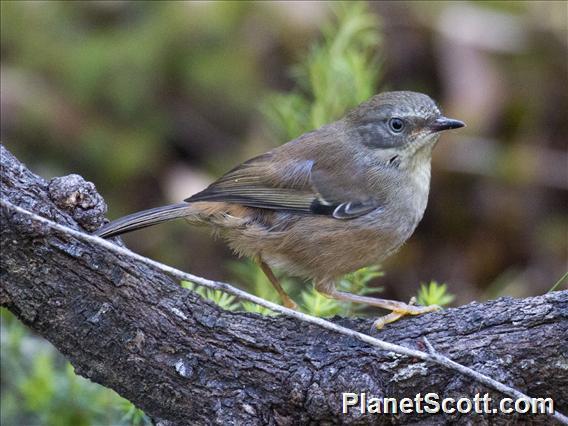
{"x":344,"y":196}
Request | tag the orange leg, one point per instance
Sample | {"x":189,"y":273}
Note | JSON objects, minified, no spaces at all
{"x":286,"y":300}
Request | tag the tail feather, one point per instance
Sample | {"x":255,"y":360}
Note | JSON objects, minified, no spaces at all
{"x":144,"y":219}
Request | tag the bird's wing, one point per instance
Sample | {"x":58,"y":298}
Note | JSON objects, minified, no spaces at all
{"x":287,"y":186}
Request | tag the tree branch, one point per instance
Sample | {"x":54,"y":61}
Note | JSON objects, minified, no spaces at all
{"x":124,"y":323}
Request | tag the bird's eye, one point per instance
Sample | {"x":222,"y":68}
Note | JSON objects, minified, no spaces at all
{"x":396,"y":125}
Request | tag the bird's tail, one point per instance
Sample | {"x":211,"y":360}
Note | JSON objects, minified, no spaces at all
{"x":144,"y":219}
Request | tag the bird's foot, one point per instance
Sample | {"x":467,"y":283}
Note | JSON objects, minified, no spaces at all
{"x":404,"y":310}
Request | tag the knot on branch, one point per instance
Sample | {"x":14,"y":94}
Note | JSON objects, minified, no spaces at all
{"x":80,"y":199}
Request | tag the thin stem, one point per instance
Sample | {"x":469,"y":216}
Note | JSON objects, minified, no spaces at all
{"x":562,"y":278}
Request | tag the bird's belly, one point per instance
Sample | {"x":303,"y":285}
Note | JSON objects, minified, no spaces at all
{"x":328,"y":248}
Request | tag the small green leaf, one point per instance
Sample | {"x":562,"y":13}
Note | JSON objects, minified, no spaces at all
{"x":315,"y":303}
{"x":338,"y":73}
{"x":359,"y":282}
{"x":255,"y":309}
{"x":434,"y":293}
{"x":224,"y":300}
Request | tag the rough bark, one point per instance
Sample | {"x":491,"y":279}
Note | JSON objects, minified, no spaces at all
{"x":184,"y":360}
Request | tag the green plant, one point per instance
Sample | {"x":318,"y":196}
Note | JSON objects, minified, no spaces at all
{"x":317,"y":304}
{"x":248,"y":273}
{"x":44,"y":389}
{"x":132,"y":415}
{"x":358,"y":282}
{"x":224,"y":300}
{"x":338,"y":73}
{"x":434,"y":293}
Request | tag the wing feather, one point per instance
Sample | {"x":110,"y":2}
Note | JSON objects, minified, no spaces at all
{"x":281,"y":185}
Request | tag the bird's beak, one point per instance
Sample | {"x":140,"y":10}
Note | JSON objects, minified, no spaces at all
{"x":444,"y":123}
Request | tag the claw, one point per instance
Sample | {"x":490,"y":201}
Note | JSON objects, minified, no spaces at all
{"x":409,"y":309}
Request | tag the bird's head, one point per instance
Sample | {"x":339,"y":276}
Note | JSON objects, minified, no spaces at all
{"x":396,"y":126}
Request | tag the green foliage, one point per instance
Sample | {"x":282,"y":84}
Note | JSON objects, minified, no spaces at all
{"x":224,"y":300}
{"x":44,"y":389}
{"x":434,"y":293}
{"x":133,"y":416}
{"x":38,"y":388}
{"x":98,"y":78}
{"x":316,"y":304}
{"x":255,"y":309}
{"x":248,"y":273}
{"x":338,"y":73}
{"x":358,"y":282}
{"x":311,"y":302}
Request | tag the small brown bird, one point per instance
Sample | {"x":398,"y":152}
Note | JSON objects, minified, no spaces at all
{"x":334,"y":200}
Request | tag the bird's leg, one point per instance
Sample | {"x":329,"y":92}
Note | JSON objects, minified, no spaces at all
{"x":399,"y":309}
{"x":286,"y":300}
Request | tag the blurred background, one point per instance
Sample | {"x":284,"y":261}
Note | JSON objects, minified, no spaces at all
{"x":151,"y":101}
